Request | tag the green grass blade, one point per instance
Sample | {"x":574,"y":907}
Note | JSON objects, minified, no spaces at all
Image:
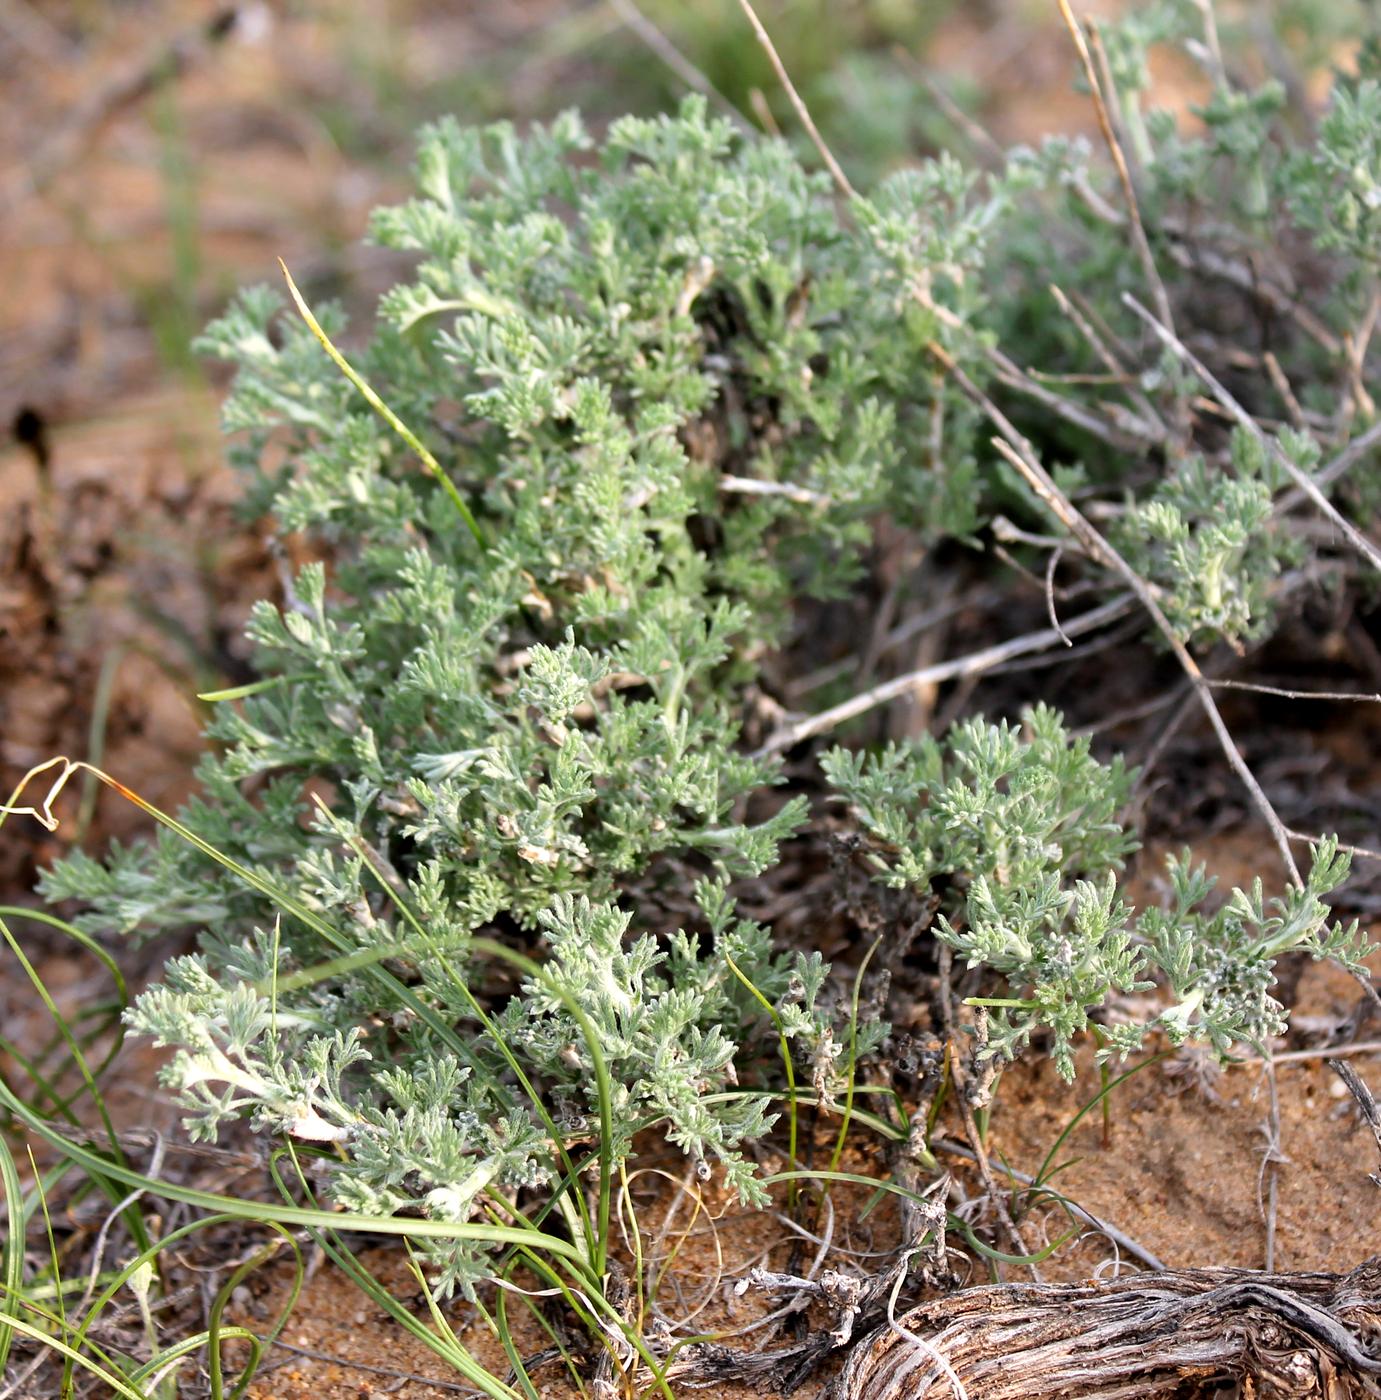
{"x":383,"y":1225}
{"x":344,"y":1259}
{"x":12,"y":1250}
{"x":785,"y":1050}
{"x":109,"y":1377}
{"x":279,"y":897}
{"x":385,"y":412}
{"x":1044,"y":1174}
{"x":847,"y":1115}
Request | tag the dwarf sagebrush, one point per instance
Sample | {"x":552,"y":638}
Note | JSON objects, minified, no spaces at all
{"x":1021,"y":831}
{"x":679,"y":384}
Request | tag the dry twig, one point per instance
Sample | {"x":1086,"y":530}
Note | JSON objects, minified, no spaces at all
{"x":1110,"y":361}
{"x":658,"y":43}
{"x":1357,"y":1087}
{"x":975,"y":663}
{"x":1124,"y":175}
{"x":802,"y":111}
{"x":1356,"y":451}
{"x":1294,"y":694}
{"x":979,"y":137}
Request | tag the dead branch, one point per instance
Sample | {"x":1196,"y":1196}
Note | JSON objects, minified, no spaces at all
{"x":1111,"y":363}
{"x":1357,"y":1087}
{"x":1183,"y":1333}
{"x":979,"y":137}
{"x":1358,"y":449}
{"x":1330,"y":695}
{"x":659,"y":44}
{"x":972,"y":664}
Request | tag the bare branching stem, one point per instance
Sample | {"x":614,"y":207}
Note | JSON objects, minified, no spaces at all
{"x":1296,"y":694}
{"x":1361,"y":447}
{"x":1302,"y":480}
{"x":975,"y":663}
{"x":1019,"y":453}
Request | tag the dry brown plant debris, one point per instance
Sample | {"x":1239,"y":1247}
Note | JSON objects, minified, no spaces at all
{"x":1188,"y":1333}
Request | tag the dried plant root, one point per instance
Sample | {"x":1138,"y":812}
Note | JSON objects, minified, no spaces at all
{"x":1184,"y":1333}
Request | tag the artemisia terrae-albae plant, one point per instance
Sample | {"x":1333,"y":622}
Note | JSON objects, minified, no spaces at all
{"x":677,"y":381}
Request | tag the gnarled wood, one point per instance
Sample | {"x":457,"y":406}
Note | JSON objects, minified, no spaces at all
{"x":1180,"y":1333}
